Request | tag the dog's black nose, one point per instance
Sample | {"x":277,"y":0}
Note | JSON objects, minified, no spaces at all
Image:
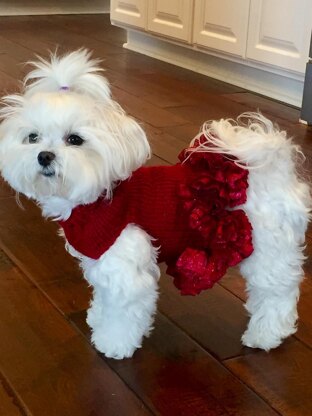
{"x":45,"y":158}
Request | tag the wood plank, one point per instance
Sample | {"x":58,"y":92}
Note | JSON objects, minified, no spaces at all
{"x":9,"y":404}
{"x":185,"y":133}
{"x":32,"y":242}
{"x":68,"y":295}
{"x":267,"y":106}
{"x":52,"y":37}
{"x":161,"y":90}
{"x":8,"y":84}
{"x":13,"y":66}
{"x":162,"y":73}
{"x":150,"y":92}
{"x":52,"y":368}
{"x":216,"y":108}
{"x":26,"y":39}
{"x":283,"y":377}
{"x":145,"y":111}
{"x":94,"y":26}
{"x":10,"y":47}
{"x":304,"y":332}
{"x":131,"y":64}
{"x":185,"y":80}
{"x":215,"y":319}
{"x":163,"y":145}
{"x":179,"y":378}
{"x":234,"y":283}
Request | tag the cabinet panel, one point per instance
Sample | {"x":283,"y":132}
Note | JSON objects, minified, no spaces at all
{"x":222,"y":25}
{"x":172,"y":18}
{"x":279,"y":32}
{"x":131,"y":12}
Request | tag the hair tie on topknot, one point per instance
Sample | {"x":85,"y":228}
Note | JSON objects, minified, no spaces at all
{"x":64,"y":88}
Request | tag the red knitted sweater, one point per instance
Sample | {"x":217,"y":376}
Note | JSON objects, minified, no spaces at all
{"x":184,"y":208}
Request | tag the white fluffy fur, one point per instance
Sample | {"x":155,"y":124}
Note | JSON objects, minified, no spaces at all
{"x":125,"y":277}
{"x":279,"y":207}
{"x":115,"y":144}
{"x":125,"y":293}
{"x":76,"y":70}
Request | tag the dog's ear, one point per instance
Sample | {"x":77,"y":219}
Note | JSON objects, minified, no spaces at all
{"x":75,"y":71}
{"x":11,"y":105}
{"x":137,"y":149}
{"x":124,"y":142}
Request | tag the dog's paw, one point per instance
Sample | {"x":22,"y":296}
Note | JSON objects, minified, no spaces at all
{"x":118,"y":339}
{"x":268,"y":332}
{"x":260,"y":340}
{"x":265,"y":338}
{"x":117,"y":348}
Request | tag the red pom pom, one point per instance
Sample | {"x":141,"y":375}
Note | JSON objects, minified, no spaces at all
{"x":195,"y":271}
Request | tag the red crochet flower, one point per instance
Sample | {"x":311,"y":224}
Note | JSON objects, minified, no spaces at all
{"x":220,"y":178}
{"x":227,"y":239}
{"x":233,"y":236}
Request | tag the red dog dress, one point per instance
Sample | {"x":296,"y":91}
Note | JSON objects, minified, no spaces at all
{"x":187,"y":208}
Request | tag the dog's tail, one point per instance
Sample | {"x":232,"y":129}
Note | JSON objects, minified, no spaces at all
{"x":252,"y":139}
{"x":75,"y":71}
{"x":261,"y":147}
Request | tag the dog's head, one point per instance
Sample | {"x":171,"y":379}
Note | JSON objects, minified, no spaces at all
{"x":64,"y":136}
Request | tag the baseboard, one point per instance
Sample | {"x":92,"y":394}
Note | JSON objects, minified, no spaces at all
{"x":39,"y":7}
{"x":271,"y":82}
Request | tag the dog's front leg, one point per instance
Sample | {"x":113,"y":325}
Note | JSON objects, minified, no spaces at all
{"x":124,"y":281}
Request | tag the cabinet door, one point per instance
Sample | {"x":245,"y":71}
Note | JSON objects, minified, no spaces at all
{"x":131,"y":12}
{"x":171,"y":18}
{"x":279,"y":32}
{"x":222,"y":25}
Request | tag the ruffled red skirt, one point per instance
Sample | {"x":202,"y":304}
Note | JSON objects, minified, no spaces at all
{"x":210,"y":201}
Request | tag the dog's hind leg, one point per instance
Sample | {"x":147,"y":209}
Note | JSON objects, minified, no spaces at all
{"x":279,"y":207}
{"x":273,"y":275}
{"x":124,"y":280}
{"x":279,"y":216}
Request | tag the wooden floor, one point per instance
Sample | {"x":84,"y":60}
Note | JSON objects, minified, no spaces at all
{"x":193,"y":364}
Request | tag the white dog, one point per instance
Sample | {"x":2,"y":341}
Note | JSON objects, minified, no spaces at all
{"x":66,"y":144}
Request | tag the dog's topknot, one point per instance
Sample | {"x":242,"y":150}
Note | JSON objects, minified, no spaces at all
{"x":75,"y":71}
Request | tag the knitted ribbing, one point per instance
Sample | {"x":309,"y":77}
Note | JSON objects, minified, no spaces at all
{"x":149,"y":198}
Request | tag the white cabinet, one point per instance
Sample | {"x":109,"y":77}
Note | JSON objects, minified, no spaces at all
{"x":279,"y":32}
{"x":171,"y":18}
{"x":262,"y":33}
{"x":130,"y":12}
{"x":222,"y":25}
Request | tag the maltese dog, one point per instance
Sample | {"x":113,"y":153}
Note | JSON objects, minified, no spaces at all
{"x":234,"y":197}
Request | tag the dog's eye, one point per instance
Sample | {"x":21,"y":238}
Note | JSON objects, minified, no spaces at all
{"x":32,"y":138}
{"x":74,"y":140}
